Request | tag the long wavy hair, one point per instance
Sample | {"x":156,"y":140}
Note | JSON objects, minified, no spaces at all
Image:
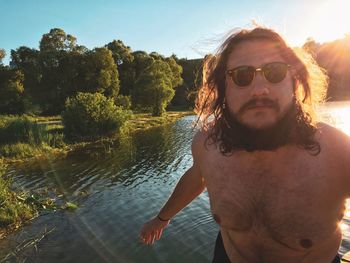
{"x":310,"y":85}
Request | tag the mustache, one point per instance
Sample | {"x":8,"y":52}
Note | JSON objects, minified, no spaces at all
{"x":265,"y":102}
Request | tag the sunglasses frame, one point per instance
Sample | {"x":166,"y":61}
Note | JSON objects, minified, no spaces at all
{"x":259,"y":69}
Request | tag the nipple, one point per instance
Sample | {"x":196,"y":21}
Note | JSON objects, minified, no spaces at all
{"x":306,"y":243}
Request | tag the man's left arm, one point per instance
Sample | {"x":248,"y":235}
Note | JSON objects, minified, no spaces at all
{"x":337,"y":157}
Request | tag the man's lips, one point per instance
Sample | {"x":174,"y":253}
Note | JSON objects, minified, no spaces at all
{"x":260,"y":107}
{"x":263,"y":104}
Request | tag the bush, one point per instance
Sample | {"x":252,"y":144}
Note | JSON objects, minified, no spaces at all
{"x":90,"y":115}
{"x":123,"y":101}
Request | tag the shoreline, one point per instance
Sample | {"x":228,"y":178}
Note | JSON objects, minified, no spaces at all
{"x":140,"y":121}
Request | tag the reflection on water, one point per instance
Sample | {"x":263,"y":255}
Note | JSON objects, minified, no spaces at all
{"x":117,"y":190}
{"x":337,"y":114}
{"x":116,"y":193}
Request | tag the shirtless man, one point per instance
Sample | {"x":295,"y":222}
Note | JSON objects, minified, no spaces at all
{"x":277,"y":178}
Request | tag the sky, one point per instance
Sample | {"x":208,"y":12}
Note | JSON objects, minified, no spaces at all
{"x":187,"y":28}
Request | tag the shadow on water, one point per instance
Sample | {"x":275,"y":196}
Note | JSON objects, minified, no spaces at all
{"x":117,"y":190}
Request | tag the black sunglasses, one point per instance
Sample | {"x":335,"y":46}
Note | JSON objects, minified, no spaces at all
{"x":273,"y":72}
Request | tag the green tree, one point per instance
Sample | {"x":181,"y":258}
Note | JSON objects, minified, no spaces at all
{"x":156,"y":56}
{"x":123,"y":58}
{"x":123,"y":101}
{"x":121,"y":53}
{"x":52,"y":92}
{"x":141,"y":61}
{"x":2,"y":55}
{"x":185,"y":94}
{"x":11,"y":91}
{"x":56,"y":75}
{"x":62,"y":68}
{"x":176,"y":71}
{"x":100,"y":73}
{"x":26,"y":60}
{"x":57,"y":40}
{"x":154,"y":87}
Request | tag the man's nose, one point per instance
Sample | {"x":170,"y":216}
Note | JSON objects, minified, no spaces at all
{"x":259,"y":86}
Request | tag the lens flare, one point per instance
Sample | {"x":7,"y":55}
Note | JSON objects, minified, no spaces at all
{"x":329,"y":20}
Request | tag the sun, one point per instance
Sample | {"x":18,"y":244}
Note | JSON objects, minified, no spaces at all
{"x":329,"y":20}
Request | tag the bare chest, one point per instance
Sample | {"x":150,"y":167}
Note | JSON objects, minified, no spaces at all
{"x":288,"y":199}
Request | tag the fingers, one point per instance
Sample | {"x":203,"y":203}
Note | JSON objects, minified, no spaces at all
{"x":151,"y":233}
{"x":159,"y":233}
{"x":153,"y":238}
{"x":142,"y":237}
{"x":150,"y":238}
{"x":146,"y":238}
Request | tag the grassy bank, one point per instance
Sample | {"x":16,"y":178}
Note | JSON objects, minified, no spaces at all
{"x":18,"y":207}
{"x":27,"y":136}
{"x":141,"y":121}
{"x":13,"y":208}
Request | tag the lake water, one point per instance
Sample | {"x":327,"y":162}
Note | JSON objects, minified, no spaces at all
{"x":117,"y":190}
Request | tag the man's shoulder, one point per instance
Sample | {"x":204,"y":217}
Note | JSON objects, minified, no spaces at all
{"x":335,"y":145}
{"x":201,"y":141}
{"x":200,"y":138}
{"x":331,"y":132}
{"x":333,"y":136}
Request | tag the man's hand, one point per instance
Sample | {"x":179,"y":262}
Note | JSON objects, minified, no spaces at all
{"x":152,"y":230}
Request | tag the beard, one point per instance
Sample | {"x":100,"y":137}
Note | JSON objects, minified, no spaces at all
{"x":242,"y":137}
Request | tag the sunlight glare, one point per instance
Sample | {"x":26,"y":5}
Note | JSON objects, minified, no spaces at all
{"x":343,"y":226}
{"x":338,"y":117}
{"x":330,"y":20}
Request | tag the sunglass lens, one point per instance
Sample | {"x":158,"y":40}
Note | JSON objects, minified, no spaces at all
{"x":275,"y":72}
{"x":243,"y":76}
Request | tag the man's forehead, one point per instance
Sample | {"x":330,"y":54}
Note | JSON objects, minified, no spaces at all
{"x":254,"y":53}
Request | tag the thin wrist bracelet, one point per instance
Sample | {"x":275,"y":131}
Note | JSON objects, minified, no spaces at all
{"x":161,"y":219}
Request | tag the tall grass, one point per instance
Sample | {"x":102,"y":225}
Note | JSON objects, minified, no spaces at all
{"x":12,"y":209}
{"x":22,"y":130}
{"x":22,"y":136}
{"x":28,"y":136}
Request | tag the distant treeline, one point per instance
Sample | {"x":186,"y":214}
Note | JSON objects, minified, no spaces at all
{"x":40,"y":81}
{"x":334,"y":57}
